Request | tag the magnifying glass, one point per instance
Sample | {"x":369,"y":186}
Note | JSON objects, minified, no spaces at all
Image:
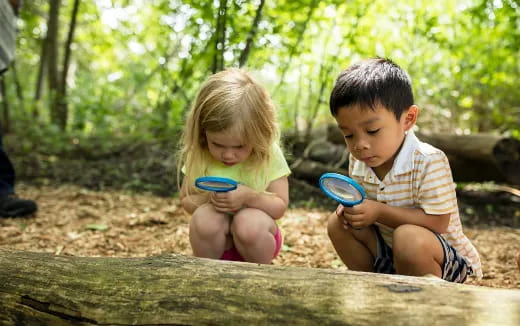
{"x":342,"y":189}
{"x":218,"y":184}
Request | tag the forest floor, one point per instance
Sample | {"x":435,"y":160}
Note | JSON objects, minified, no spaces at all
{"x":74,"y":220}
{"x":101,"y":198}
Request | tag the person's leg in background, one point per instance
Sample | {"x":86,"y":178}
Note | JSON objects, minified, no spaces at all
{"x":10,"y":204}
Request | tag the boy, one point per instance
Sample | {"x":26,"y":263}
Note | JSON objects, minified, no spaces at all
{"x":409,"y":223}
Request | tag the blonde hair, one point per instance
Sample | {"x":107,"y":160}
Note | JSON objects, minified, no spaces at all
{"x":230,"y":100}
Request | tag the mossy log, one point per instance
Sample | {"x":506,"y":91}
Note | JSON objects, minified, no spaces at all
{"x":44,"y":289}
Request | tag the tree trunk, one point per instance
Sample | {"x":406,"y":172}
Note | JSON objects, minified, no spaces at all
{"x":220,"y":38}
{"x":296,"y":45}
{"x":61,"y":101}
{"x":43,"y":289}
{"x":39,"y":78}
{"x":251,"y":35}
{"x":6,"y":123}
{"x":52,"y":57}
{"x":477,"y":158}
{"x":18,"y":85}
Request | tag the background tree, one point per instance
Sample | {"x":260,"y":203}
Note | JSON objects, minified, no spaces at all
{"x":141,"y":62}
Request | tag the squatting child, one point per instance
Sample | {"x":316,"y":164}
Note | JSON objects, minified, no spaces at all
{"x":231,"y":132}
{"x":409,"y":223}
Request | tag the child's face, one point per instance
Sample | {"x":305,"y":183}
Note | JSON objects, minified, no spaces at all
{"x":374,"y":136}
{"x":227,"y":147}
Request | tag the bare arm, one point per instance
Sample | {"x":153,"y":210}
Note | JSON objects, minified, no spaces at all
{"x":370,"y":211}
{"x":274,"y":201}
{"x":395,"y":216}
{"x":192,"y":202}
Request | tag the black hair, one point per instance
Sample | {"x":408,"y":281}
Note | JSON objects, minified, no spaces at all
{"x":370,"y":83}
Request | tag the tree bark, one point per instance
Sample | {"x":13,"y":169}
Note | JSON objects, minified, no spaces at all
{"x":43,"y":289}
{"x":61,"y":105}
{"x":18,"y":85}
{"x":477,"y":158}
{"x":220,"y":38}
{"x":52,"y":57}
{"x":6,"y":123}
{"x":251,"y":35}
{"x":39,"y":78}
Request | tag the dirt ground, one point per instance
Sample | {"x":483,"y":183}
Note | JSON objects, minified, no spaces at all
{"x":75,"y":221}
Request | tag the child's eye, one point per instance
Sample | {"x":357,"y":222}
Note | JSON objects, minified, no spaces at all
{"x":372,"y":132}
{"x":348,"y":136}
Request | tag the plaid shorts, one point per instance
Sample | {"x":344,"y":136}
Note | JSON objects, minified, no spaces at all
{"x":455,"y":268}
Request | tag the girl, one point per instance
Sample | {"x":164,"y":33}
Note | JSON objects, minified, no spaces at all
{"x":231,"y":132}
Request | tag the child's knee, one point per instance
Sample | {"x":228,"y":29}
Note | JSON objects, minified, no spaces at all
{"x":207,"y":223}
{"x":412,"y":242}
{"x":334,"y":226}
{"x":249,"y":225}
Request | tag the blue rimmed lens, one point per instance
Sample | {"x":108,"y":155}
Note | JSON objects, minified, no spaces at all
{"x":342,"y":189}
{"x":218,"y":184}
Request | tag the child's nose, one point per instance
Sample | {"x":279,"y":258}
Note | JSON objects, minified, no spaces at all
{"x":360,"y":144}
{"x":227,"y":154}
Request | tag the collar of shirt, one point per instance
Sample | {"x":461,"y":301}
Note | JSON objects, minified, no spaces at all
{"x":403,"y":162}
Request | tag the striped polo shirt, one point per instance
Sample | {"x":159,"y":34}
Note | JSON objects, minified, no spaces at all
{"x":420,"y":177}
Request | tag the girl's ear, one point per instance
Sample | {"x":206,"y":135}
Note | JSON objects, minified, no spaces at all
{"x":409,"y":117}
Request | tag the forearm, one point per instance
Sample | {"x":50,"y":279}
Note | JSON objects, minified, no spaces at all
{"x":395,"y":216}
{"x":191,"y":203}
{"x":270,"y":203}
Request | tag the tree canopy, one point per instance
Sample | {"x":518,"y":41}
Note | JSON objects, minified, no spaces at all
{"x":120,"y":67}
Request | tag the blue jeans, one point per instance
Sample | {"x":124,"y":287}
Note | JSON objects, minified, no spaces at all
{"x":6,"y":171}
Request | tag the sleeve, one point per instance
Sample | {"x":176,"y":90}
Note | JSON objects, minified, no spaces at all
{"x":279,"y":167}
{"x":437,"y":194}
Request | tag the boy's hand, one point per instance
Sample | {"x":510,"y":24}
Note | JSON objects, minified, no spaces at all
{"x":339,"y":214}
{"x":361,"y":215}
{"x":230,"y":201}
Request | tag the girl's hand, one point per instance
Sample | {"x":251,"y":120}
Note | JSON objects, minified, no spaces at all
{"x":361,"y":215}
{"x":231,"y":201}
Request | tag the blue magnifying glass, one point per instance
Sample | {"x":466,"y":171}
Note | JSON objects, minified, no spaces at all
{"x":218,"y":184}
{"x":342,"y":189}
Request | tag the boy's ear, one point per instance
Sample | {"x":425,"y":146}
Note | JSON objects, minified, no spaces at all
{"x":409,"y":117}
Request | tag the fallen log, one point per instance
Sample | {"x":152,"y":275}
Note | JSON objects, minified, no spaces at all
{"x":477,"y":158}
{"x":43,"y":289}
{"x":311,"y":171}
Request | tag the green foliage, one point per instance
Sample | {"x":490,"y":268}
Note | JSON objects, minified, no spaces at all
{"x":136,"y":65}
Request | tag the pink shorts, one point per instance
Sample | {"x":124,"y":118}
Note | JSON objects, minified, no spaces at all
{"x":233,"y":254}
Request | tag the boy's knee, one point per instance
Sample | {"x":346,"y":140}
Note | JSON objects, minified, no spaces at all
{"x":408,"y":244}
{"x":334,"y":226}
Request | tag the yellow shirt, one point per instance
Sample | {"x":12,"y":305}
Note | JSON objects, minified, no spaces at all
{"x":420,"y":177}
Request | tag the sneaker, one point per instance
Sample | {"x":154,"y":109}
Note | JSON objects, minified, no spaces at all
{"x":12,"y":206}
